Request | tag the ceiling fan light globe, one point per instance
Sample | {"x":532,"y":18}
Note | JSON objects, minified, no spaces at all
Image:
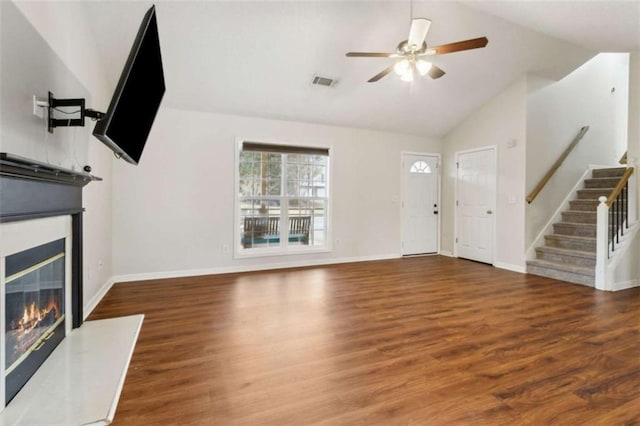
{"x":407,"y":76}
{"x":401,"y":67}
{"x":423,"y":67}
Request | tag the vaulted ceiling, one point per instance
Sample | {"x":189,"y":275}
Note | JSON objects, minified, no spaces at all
{"x":258,"y":58}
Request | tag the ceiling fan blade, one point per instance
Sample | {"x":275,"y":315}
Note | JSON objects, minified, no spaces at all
{"x":418,"y":31}
{"x":371,"y":55}
{"x":435,"y":72}
{"x":381,"y":74}
{"x":473,"y":43}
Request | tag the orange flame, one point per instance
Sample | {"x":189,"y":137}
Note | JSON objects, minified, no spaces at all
{"x":32,"y":316}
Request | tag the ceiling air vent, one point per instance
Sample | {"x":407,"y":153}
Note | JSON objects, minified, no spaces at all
{"x":319,"y":80}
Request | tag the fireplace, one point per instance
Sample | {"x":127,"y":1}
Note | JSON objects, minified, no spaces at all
{"x":34,"y":287}
{"x":40,"y":265}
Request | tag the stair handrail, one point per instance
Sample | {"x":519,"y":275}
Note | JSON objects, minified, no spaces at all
{"x":619,"y":187}
{"x":623,"y":159}
{"x":545,"y":179}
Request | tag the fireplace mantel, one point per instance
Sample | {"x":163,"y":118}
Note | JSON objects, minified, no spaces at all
{"x":92,"y":360}
{"x":31,"y":190}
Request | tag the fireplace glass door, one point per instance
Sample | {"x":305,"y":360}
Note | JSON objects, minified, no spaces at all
{"x":35,"y":310}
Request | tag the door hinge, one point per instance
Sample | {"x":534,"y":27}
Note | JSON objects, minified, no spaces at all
{"x":456,"y":240}
{"x":456,"y":202}
{"x":437,"y":165}
{"x":457,"y":164}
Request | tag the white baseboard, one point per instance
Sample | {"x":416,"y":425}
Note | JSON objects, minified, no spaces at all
{"x":235,"y":269}
{"x":89,"y":307}
{"x":624,"y":285}
{"x":511,"y":267}
{"x":446,"y":253}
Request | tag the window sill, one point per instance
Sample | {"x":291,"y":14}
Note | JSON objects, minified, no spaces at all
{"x":278,"y":252}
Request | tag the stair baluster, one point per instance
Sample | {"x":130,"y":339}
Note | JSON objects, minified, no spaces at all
{"x":618,"y":213}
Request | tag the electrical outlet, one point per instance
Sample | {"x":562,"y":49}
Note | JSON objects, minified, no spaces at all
{"x":100,"y":265}
{"x":225,"y":248}
{"x":39,"y":107}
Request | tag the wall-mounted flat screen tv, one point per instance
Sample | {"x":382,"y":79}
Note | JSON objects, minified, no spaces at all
{"x":134,"y":105}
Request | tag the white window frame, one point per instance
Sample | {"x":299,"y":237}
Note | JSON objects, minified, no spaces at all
{"x":281,"y":250}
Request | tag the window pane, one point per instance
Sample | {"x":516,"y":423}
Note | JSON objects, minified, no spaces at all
{"x":307,"y":222}
{"x":249,"y":165}
{"x":318,"y":174}
{"x":320,"y":159}
{"x":299,"y":221}
{"x":292,"y":187}
{"x":293,"y":158}
{"x":272,"y":186}
{"x":259,"y":223}
{"x":274,"y":165}
{"x":306,"y":175}
{"x":292,"y":170}
{"x":420,"y":167}
{"x":319,"y":230}
{"x":248,"y":187}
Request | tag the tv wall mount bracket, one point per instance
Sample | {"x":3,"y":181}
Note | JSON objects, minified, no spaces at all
{"x":70,"y":122}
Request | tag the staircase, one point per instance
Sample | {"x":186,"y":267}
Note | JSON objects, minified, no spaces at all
{"x":569,"y":254}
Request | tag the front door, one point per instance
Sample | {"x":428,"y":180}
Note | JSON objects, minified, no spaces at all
{"x":475,"y":212}
{"x":420,"y":204}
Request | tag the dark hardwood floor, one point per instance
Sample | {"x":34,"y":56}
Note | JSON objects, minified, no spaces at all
{"x":426,"y":340}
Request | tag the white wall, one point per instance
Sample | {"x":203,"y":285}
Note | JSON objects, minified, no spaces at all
{"x":634,"y":114}
{"x":628,"y":273}
{"x":555,"y":114}
{"x":499,"y":122}
{"x":175,"y":211}
{"x":65,"y":31}
{"x":30,"y":67}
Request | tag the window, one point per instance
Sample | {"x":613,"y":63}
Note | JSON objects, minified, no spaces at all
{"x":420,"y":167}
{"x":283,"y":197}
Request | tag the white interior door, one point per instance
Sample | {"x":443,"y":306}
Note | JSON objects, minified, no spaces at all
{"x":475,"y":212}
{"x":420,"y":204}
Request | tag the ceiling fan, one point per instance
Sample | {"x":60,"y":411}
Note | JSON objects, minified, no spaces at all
{"x":411,"y":51}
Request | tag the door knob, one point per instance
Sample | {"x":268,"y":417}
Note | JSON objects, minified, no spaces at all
{"x":489,"y":212}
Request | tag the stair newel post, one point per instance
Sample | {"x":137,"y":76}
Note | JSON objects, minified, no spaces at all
{"x":602,"y":244}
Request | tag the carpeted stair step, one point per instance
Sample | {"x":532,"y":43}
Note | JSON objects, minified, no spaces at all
{"x":607,"y":182}
{"x":584,"y":205}
{"x":578,"y":216}
{"x":569,"y":253}
{"x":575,"y":229}
{"x":571,"y":242}
{"x":586,"y":217}
{"x":610,"y":172}
{"x":593,"y":193}
{"x":571,"y":257}
{"x":561,"y":271}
